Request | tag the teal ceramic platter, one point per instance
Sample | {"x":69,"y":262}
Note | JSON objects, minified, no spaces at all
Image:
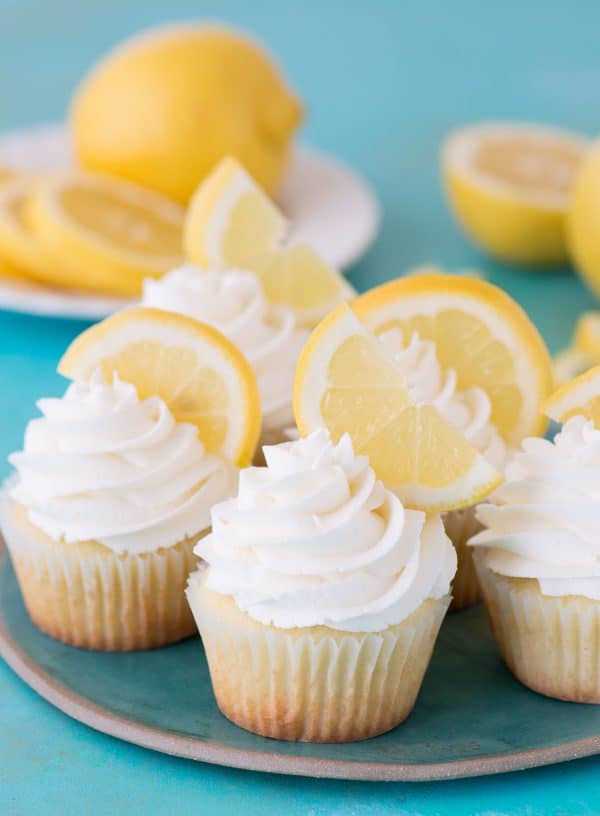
{"x":472,"y":717}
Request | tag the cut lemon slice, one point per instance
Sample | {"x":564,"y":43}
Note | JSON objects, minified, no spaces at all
{"x":586,"y":337}
{"x":570,"y":363}
{"x":202,"y":376}
{"x":580,"y":397}
{"x":105,"y":235}
{"x":480,"y":332}
{"x":20,"y":252}
{"x":297,"y":277}
{"x":346,"y":382}
{"x":509,"y":185}
{"x":230,"y":220}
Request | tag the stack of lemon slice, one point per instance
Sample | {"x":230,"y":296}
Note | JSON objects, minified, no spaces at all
{"x":87,"y":232}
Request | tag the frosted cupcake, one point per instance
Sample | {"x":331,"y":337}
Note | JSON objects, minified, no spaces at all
{"x":322,"y":598}
{"x":234,"y":303}
{"x":538,"y":561}
{"x":470,"y":412}
{"x":109,"y":496}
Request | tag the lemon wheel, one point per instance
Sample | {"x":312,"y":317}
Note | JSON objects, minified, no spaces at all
{"x":202,"y":376}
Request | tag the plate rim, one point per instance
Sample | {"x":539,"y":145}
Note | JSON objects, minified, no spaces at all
{"x":94,"y":716}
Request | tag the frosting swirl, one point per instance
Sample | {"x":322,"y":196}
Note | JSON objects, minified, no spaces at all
{"x":313,"y":538}
{"x":101,"y":464}
{"x":544,"y":522}
{"x":469,"y":411}
{"x":234,"y":303}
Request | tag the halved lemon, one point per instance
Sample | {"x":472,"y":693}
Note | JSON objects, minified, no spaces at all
{"x":20,"y":252}
{"x":202,"y":376}
{"x":580,"y":397}
{"x":509,"y":185}
{"x":480,"y":332}
{"x":298,"y":278}
{"x":104,"y":234}
{"x":346,"y":382}
{"x":231,"y":220}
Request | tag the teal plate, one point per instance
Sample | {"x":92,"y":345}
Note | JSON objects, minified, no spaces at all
{"x":472,"y":717}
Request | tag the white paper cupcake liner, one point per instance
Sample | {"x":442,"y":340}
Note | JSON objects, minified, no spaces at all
{"x":313,"y":684}
{"x":87,"y":595}
{"x":460,"y":526}
{"x":551,"y":644}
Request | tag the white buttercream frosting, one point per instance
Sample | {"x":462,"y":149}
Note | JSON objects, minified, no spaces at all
{"x":235,"y":304}
{"x":101,"y":464}
{"x":544,"y":522}
{"x":469,"y":410}
{"x":314,"y":539}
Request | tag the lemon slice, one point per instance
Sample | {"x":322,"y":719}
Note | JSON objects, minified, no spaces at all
{"x":202,"y":376}
{"x":20,"y":252}
{"x":103,"y":234}
{"x":580,"y":397}
{"x":346,"y":382}
{"x":570,"y":363}
{"x":230,"y":220}
{"x":586,"y":337}
{"x":297,"y":277}
{"x":509,"y":185}
{"x":480,"y":332}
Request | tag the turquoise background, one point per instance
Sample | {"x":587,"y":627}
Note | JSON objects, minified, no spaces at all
{"x":384,"y":81}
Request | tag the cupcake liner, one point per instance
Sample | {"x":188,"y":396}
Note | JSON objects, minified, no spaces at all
{"x":551,"y":644}
{"x":313,"y":684}
{"x":87,"y":595}
{"x":460,"y":526}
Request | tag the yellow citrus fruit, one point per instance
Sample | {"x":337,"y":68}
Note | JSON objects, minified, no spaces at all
{"x":202,"y":376}
{"x":570,"y":363}
{"x":230,"y":220}
{"x":584,"y":220}
{"x":103,"y":234}
{"x":21,"y":254}
{"x":509,"y":186}
{"x":580,"y":397}
{"x":480,"y":332}
{"x":586,"y":337}
{"x":346,"y":382}
{"x":582,"y":353}
{"x":164,"y":107}
{"x":298,"y":278}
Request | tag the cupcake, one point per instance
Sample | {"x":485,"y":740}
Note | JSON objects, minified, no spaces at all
{"x":538,"y":561}
{"x":470,"y":412}
{"x":109,"y":496}
{"x":322,"y":598}
{"x":234,"y":303}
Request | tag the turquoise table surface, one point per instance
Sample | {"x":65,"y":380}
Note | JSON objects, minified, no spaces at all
{"x":383,"y":81}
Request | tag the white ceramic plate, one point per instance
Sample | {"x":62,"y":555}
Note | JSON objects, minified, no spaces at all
{"x":330,"y":207}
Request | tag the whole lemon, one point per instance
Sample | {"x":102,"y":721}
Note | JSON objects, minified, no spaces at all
{"x":583,"y":222}
{"x":164,"y":107}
